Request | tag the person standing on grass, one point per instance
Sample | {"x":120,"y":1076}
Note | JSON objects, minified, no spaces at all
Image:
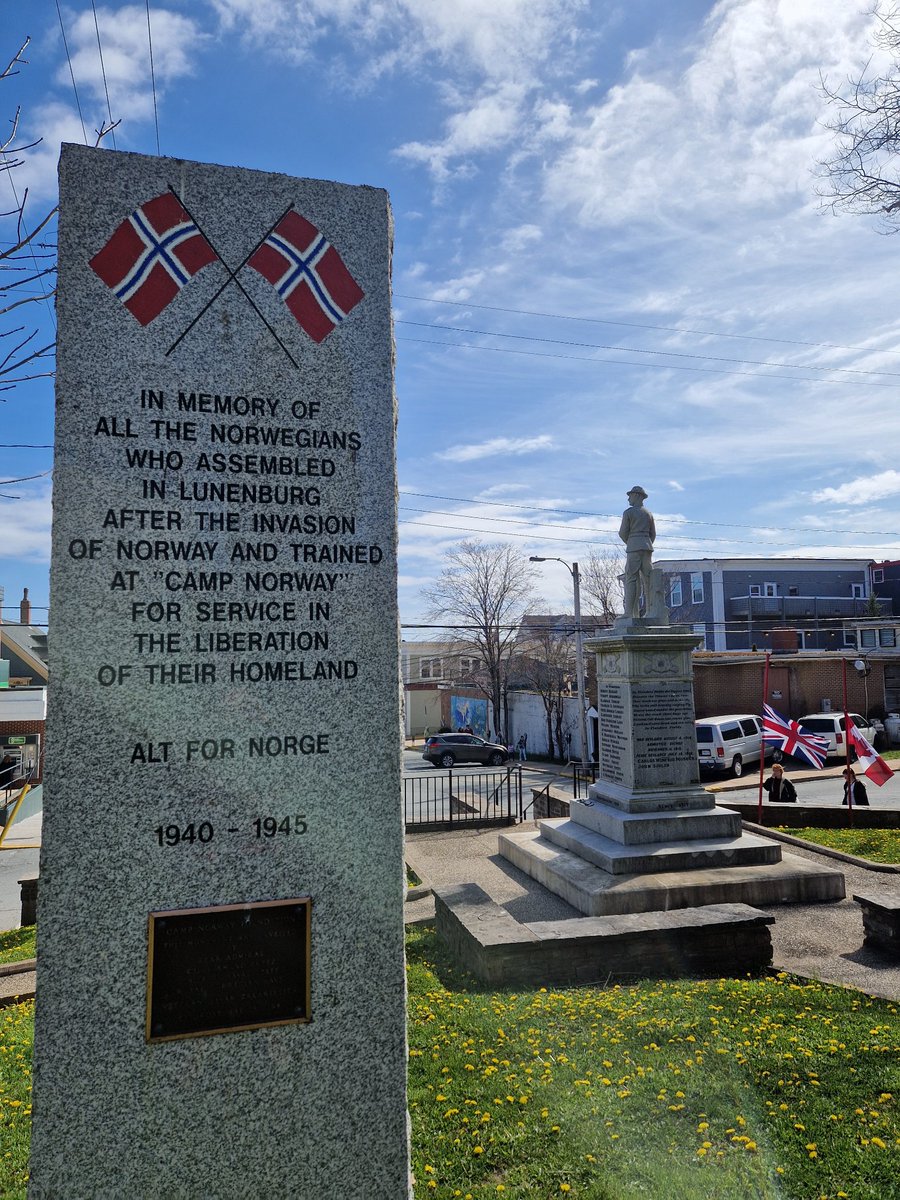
{"x":779,"y":787}
{"x":854,"y":789}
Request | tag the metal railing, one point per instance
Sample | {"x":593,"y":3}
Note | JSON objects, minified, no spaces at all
{"x":583,"y":775}
{"x":459,"y":797}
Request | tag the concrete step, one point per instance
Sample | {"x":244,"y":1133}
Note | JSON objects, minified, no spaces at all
{"x":619,"y":859}
{"x":596,"y":892}
{"x":633,"y":829}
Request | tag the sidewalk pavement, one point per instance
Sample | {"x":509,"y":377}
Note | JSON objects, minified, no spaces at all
{"x":819,"y":941}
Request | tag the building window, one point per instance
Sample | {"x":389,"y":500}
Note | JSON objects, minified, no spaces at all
{"x":755,"y":589}
{"x":867,"y":638}
{"x":467,"y":665}
{"x":770,"y":589}
{"x":675,"y":591}
{"x":858,"y":591}
{"x":849,"y":637}
{"x":887,"y":637}
{"x":878,"y":574}
{"x":696,"y":587}
{"x":431,"y":668}
{"x":793,"y":590}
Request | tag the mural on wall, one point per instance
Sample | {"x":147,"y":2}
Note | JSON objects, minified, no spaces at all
{"x":466,"y":712}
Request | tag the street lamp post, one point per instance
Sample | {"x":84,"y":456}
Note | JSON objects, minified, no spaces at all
{"x":572,"y":568}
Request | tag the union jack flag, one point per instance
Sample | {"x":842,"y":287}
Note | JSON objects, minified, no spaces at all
{"x":152,"y":255}
{"x":791,"y":738}
{"x":308,"y":274}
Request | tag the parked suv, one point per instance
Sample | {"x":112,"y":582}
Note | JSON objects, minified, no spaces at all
{"x":447,"y":749}
{"x":833,"y":726}
{"x":729,"y":743}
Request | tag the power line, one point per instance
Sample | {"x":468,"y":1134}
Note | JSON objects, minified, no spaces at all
{"x":25,"y":478}
{"x":577,"y":512}
{"x":103,"y":73}
{"x":667,"y":536}
{"x":62,"y":30}
{"x":626,"y":363}
{"x":152,"y":77}
{"x":752,"y":337}
{"x":524,"y":337}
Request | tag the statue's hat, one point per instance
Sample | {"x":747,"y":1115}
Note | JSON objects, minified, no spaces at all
{"x":637,"y":488}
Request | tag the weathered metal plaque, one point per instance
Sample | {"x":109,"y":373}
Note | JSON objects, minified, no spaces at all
{"x":231,"y":967}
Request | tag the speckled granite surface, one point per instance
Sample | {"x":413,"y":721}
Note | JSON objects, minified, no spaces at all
{"x":152,"y":726}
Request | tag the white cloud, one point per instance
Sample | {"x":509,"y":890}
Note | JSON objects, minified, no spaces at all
{"x":492,"y":121}
{"x":495,"y":446}
{"x":868,"y":489}
{"x":675,"y":485}
{"x":126,"y":58}
{"x":735,"y":127}
{"x":26,"y":523}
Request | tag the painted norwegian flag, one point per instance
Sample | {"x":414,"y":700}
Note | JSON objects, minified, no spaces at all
{"x":152,"y":255}
{"x":308,"y":274}
{"x":791,"y":738}
{"x":870,"y":761}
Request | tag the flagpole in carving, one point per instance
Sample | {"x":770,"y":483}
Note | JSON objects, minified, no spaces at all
{"x":232,"y":278}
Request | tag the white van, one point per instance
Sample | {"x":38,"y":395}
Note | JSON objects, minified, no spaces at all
{"x":730,"y":743}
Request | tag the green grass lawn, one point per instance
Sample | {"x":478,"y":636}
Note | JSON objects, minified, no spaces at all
{"x":17,"y":944}
{"x":687,"y":1090}
{"x":878,"y":845}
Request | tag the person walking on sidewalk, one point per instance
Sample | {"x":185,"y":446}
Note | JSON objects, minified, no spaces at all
{"x":522,"y":746}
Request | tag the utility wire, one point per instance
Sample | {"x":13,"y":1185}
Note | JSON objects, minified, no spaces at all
{"x":103,"y":73}
{"x":626,"y":363}
{"x":752,"y":337}
{"x":665,"y":535}
{"x":152,"y":77}
{"x":62,"y":30}
{"x":24,"y":478}
{"x":577,"y":512}
{"x":747,"y":362}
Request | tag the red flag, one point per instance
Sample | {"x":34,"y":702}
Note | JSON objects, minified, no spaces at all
{"x":870,"y":762}
{"x":309,"y":275}
{"x":152,"y":255}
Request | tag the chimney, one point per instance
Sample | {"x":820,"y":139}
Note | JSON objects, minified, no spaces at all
{"x":25,"y":608}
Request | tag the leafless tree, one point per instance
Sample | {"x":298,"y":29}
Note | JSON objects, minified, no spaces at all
{"x":27,"y":263}
{"x":863,"y":174}
{"x":483,"y":591}
{"x":546,"y":661}
{"x":601,"y":585}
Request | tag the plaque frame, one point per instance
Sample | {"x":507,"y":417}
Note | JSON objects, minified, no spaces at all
{"x":299,"y":902}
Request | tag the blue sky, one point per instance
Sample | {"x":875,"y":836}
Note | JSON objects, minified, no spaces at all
{"x":611,"y":265}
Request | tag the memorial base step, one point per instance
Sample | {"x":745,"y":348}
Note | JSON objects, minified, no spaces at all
{"x":618,"y":859}
{"x":596,"y":892}
{"x":633,"y":829}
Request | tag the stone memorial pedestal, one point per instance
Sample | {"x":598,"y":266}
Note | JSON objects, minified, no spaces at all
{"x":649,"y":837}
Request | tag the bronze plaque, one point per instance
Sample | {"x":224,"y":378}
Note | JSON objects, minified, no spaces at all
{"x":231,"y":967}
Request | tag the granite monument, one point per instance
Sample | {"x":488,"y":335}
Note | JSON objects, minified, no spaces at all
{"x":221,"y":990}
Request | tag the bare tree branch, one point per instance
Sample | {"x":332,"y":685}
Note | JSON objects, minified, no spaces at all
{"x":485,"y":588}
{"x":863,"y":173}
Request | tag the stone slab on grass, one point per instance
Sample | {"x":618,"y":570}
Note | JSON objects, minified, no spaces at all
{"x":498,"y":950}
{"x":881,"y":920}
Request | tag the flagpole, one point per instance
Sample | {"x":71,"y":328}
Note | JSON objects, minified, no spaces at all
{"x":847,"y":739}
{"x":762,"y":745}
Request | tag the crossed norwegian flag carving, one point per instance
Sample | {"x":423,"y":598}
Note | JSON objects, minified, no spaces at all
{"x":156,"y":250}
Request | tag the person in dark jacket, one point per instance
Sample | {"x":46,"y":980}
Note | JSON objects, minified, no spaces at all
{"x":854,"y":788}
{"x":779,"y":787}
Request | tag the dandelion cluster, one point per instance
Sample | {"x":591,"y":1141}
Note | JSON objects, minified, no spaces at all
{"x":712,"y":1088}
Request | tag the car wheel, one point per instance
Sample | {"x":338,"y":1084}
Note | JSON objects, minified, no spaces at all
{"x":737,"y":766}
{"x":496,"y":759}
{"x":447,"y":760}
